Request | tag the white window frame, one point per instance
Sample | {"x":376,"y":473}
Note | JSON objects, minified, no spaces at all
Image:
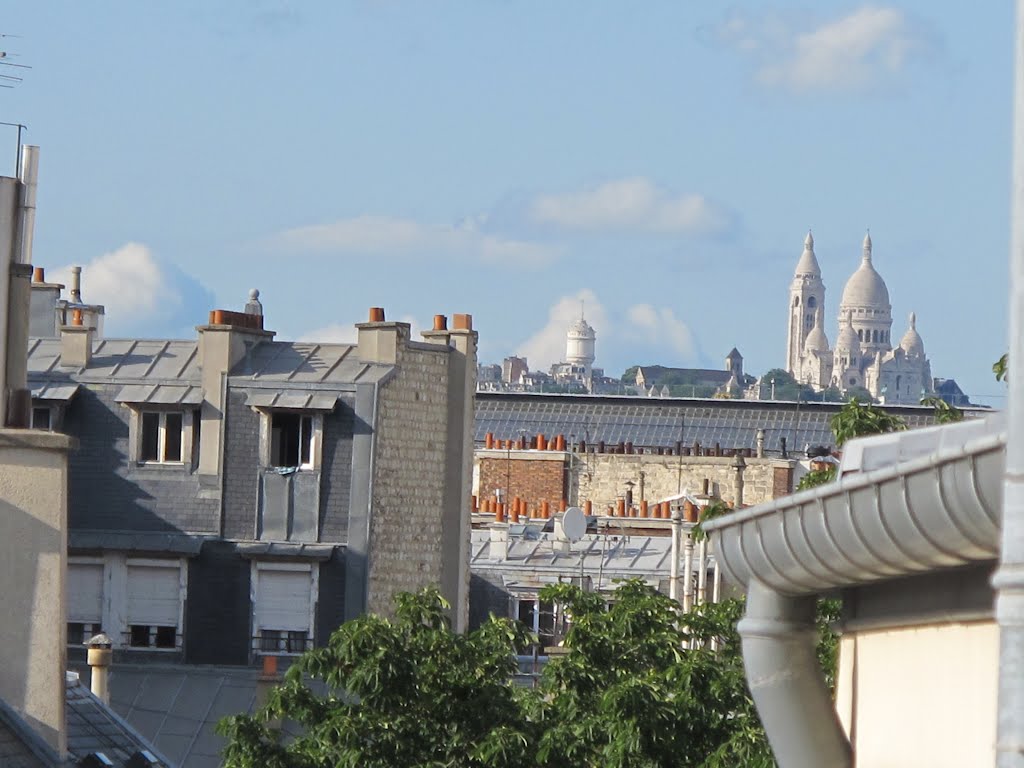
{"x":51,"y":422}
{"x":314,"y":596}
{"x":189,"y":419}
{"x":114,"y":600}
{"x":316,"y":438}
{"x":179,"y":629}
{"x":89,"y":629}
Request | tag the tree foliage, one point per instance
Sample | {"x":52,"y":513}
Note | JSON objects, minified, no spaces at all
{"x":944,"y":412}
{"x":857,"y":419}
{"x":638,"y":683}
{"x":817,"y":477}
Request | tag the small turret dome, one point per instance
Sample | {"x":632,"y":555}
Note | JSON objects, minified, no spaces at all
{"x":847,"y":340}
{"x":912,"y":343}
{"x":866,"y":288}
{"x":816,"y":340}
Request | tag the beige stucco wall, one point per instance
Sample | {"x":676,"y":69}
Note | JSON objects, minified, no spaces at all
{"x":33,"y":567}
{"x":405,"y":548}
{"x":920,"y":696}
{"x":602,"y":477}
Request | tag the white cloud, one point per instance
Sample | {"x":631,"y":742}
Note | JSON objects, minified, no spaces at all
{"x":340,"y":333}
{"x":644,"y":330}
{"x":140,"y":293}
{"x":379,"y":235}
{"x":662,"y":328}
{"x":547,"y":345}
{"x":633,"y":204}
{"x":865,"y":47}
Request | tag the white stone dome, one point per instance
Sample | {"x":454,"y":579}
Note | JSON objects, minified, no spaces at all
{"x":912,"y":343}
{"x":581,"y":329}
{"x":866,"y":288}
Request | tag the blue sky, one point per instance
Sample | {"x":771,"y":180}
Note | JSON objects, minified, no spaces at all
{"x":661,"y":160}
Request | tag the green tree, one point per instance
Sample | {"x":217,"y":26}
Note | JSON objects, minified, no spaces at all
{"x":944,"y":412}
{"x":401,"y":692}
{"x":638,"y":683}
{"x":857,"y":419}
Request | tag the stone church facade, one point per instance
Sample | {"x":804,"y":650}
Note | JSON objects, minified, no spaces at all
{"x":863,"y":355}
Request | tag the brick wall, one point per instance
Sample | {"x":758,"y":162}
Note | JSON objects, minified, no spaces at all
{"x":782,"y":481}
{"x":109,"y":492}
{"x":532,"y":479}
{"x":408,"y":476}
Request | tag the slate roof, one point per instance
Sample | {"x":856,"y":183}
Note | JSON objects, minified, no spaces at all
{"x":20,"y":747}
{"x":176,"y":707}
{"x":660,"y":422}
{"x":92,"y":727}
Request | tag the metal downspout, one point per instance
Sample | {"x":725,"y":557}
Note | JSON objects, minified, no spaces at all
{"x":1009,"y":578}
{"x":779,"y":653}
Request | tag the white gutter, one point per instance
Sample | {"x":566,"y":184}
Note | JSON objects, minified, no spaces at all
{"x":934,"y":511}
{"x":1009,"y":578}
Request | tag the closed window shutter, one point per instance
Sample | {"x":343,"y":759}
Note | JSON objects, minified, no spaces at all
{"x":153,"y":595}
{"x":85,"y":593}
{"x":282,"y":601}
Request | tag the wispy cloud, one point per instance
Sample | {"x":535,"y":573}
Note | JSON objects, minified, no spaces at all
{"x":369,"y":235}
{"x":629,"y":205}
{"x":863,"y":48}
{"x":142,"y":294}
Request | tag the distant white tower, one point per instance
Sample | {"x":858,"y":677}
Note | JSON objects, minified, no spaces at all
{"x":581,"y":344}
{"x":806,"y":296}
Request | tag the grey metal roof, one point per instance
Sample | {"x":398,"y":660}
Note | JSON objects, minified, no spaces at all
{"x":301,"y":365}
{"x":125,"y":541}
{"x":533,"y":558}
{"x":924,"y":501}
{"x":177,"y":707}
{"x":660,"y":422}
{"x":121,"y":360}
{"x":93,"y":727}
{"x":160,"y":394}
{"x":47,"y":391}
{"x":286,"y":398}
{"x":285,"y":549}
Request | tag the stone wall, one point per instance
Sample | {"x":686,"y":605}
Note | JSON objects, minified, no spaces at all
{"x":602,"y":477}
{"x":405,"y":549}
{"x":535,"y":476}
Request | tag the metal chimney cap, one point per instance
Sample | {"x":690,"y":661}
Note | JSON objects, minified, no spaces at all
{"x":101,"y":641}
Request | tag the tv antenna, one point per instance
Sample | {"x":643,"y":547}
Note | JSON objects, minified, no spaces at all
{"x":10,"y":80}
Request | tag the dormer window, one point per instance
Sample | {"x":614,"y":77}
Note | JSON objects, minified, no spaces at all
{"x":162,"y":436}
{"x":164,"y":425}
{"x":291,"y":440}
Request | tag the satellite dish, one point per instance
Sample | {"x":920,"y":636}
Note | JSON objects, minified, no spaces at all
{"x":574,"y":523}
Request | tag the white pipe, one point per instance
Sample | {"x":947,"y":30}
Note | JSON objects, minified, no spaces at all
{"x":702,"y":572}
{"x":677,"y":529}
{"x":779,"y":655}
{"x":688,"y":572}
{"x":29,"y":184}
{"x":1009,"y":578}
